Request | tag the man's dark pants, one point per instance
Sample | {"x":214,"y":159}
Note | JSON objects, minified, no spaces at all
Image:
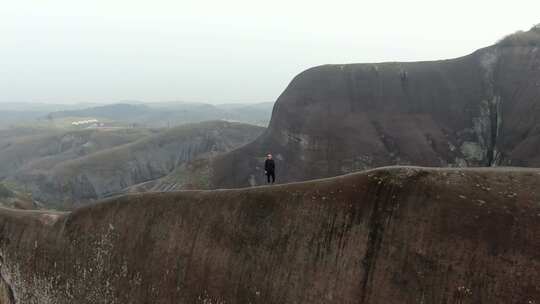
{"x":271,"y":174}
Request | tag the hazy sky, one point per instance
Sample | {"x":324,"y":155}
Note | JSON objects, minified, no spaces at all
{"x":225,"y":51}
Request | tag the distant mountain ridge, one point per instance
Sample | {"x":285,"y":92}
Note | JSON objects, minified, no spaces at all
{"x":112,"y":111}
{"x":126,"y":113}
{"x":172,"y":114}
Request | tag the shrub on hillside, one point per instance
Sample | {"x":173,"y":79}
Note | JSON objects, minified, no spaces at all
{"x":521,"y":38}
{"x":5,"y":192}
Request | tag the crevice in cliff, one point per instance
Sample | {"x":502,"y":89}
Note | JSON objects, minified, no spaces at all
{"x":380,"y":216}
{"x":6,"y":292}
{"x":495,"y":114}
{"x":491,"y":136}
{"x":389,"y":190}
{"x":7,"y":296}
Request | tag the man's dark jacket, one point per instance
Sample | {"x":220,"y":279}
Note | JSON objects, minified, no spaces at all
{"x":269,"y":166}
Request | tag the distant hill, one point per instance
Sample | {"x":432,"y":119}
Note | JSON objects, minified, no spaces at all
{"x":75,"y":167}
{"x":22,"y":114}
{"x":113,"y":111}
{"x":129,"y":113}
{"x":171,"y":114}
{"x":43,"y":149}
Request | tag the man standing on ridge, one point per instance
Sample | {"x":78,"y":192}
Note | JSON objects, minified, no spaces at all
{"x":270,"y":168}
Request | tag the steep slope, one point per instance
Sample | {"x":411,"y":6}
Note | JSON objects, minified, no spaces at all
{"x":109,"y":171}
{"x":192,"y":175}
{"x":477,"y":110}
{"x":392,"y":235}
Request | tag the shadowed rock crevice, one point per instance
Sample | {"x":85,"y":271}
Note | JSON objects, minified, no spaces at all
{"x":387,"y":195}
{"x":494,"y":158}
{"x":377,"y":224}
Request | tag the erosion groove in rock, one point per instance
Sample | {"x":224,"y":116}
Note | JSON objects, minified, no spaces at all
{"x":390,"y":235}
{"x":6,"y":294}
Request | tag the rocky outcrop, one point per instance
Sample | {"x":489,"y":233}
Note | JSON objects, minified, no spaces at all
{"x":477,"y":110}
{"x":109,"y":171}
{"x":392,"y":235}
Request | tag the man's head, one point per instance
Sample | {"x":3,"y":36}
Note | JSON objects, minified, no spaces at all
{"x":269,"y":156}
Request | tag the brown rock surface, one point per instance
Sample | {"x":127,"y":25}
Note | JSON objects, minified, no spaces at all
{"x":476,"y":110}
{"x":391,"y":235}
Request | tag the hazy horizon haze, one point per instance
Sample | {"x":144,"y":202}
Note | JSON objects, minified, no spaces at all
{"x":63,"y":51}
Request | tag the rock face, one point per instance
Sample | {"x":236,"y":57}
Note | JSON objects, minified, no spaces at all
{"x":107,"y":172}
{"x":392,"y":235}
{"x":477,"y":110}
